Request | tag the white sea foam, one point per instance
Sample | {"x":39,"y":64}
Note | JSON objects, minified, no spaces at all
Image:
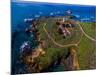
{"x":78,"y":16}
{"x":85,"y":19}
{"x":37,"y":16}
{"x":28,"y":19}
{"x":51,"y":13}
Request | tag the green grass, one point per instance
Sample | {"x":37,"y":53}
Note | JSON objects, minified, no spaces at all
{"x":87,"y":48}
{"x":89,"y":28}
{"x":52,"y":55}
{"x":73,"y":38}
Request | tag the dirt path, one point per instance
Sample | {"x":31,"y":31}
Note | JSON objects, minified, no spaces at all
{"x":75,"y":63}
{"x":92,"y":39}
{"x":73,"y":52}
{"x":58,"y":43}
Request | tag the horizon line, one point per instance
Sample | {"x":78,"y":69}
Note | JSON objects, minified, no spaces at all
{"x":47,"y":1}
{"x":52,"y":3}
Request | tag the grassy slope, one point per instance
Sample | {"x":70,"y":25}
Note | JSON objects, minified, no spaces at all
{"x":87,"y":48}
{"x":52,"y":51}
{"x":86,"y":52}
{"x":89,"y":28}
{"x":52,"y":29}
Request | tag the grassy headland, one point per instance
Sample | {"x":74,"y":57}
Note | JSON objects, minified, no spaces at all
{"x":53,"y":52}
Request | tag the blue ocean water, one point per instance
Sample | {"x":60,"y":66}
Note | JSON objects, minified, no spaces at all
{"x":22,"y":10}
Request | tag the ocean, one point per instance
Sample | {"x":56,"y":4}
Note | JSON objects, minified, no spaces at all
{"x":24,"y":10}
{"x":32,"y":10}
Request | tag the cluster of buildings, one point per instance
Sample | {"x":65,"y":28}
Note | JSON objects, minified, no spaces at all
{"x":64,"y":27}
